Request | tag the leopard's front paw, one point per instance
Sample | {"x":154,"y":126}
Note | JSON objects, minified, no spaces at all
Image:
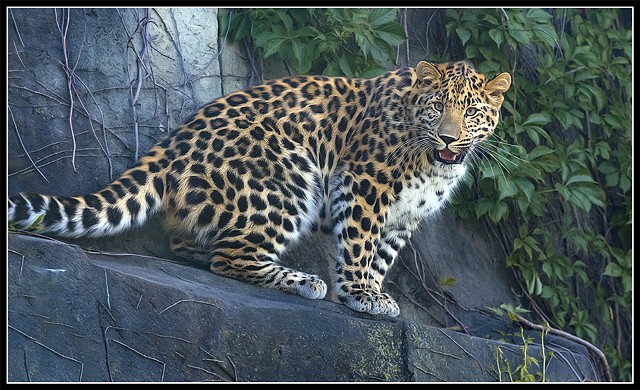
{"x":370,"y":302}
{"x":312,"y":287}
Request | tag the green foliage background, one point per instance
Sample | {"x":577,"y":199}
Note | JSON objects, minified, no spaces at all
{"x":555,"y":188}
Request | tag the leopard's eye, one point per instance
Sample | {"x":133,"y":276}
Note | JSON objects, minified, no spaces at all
{"x":471,"y":111}
{"x":438,"y":106}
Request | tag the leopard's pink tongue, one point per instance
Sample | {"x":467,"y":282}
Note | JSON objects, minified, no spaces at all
{"x":446,"y":154}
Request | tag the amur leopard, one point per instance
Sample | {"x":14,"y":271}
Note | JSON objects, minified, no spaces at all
{"x":253,"y":171}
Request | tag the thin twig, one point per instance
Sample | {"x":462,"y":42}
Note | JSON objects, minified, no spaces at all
{"x":188,"y":300}
{"x":57,"y":99}
{"x":105,"y":149}
{"x":21,"y":259}
{"x":601,"y":356}
{"x":416,"y":303}
{"x":429,"y":373}
{"x":558,"y":353}
{"x":140,"y":79}
{"x":187,"y":79}
{"x":505,"y":13}
{"x":16,"y":27}
{"x":219,"y":363}
{"x":153,"y":77}
{"x":28,"y":169}
{"x":69,"y":72}
{"x":107,"y":253}
{"x":426,"y":33}
{"x":207,"y":371}
{"x":423,"y":285}
{"x":18,"y":54}
{"x":106,"y":283}
{"x":175,"y":276}
{"x":50,"y":349}
{"x":235,"y":371}
{"x":140,"y":66}
{"x":143,"y":355}
{"x":108,"y":312}
{"x":255,"y":74}
{"x":460,"y":346}
{"x":444,"y":354}
{"x":406,"y":32}
{"x":26,"y":366}
{"x":15,"y":126}
{"x":163,"y":336}
{"x":212,"y":359}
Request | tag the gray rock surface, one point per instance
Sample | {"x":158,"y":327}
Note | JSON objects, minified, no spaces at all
{"x":77,"y":316}
{"x":140,"y":315}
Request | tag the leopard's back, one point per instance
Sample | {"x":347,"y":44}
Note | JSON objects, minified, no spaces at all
{"x":233,"y":150}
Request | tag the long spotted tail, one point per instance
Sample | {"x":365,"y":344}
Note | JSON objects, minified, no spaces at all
{"x":127,"y":202}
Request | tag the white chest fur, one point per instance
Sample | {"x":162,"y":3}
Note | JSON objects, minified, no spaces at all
{"x":423,"y":195}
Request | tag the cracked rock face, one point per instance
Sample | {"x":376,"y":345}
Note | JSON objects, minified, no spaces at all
{"x":86,"y":316}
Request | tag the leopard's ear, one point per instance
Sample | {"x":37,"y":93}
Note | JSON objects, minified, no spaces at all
{"x":427,"y":73}
{"x":496,"y":87}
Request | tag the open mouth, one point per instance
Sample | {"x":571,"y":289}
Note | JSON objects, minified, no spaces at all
{"x":446,"y":156}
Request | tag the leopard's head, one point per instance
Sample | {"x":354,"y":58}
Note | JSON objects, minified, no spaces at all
{"x":455,"y":108}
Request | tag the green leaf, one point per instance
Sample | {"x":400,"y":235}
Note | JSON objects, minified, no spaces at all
{"x":491,"y":19}
{"x":547,"y":34}
{"x":527,"y":188}
{"x":579,"y":179}
{"x":613,"y":270}
{"x":495,"y":310}
{"x":547,"y":268}
{"x":373,"y":71}
{"x":379,"y":50}
{"x":594,"y":193}
{"x":238,"y":25}
{"x":333,"y":69}
{"x":223,"y":23}
{"x":482,"y":206}
{"x":391,"y":33}
{"x":583,"y":196}
{"x":547,"y":292}
{"x":538,"y":15}
{"x":363,"y":42}
{"x":286,"y":19}
{"x":497,"y":36}
{"x":518,"y":32}
{"x":307,"y":31}
{"x":471,"y":51}
{"x":538,"y":118}
{"x":37,"y":224}
{"x":487,"y":52}
{"x":540,"y":151}
{"x":534,"y":285}
{"x":273,"y":46}
{"x":498,"y":212}
{"x":303,"y":55}
{"x":463,"y":34}
{"x":382,"y":16}
{"x":345,"y":66}
{"x":447,"y":281}
{"x":506,"y":188}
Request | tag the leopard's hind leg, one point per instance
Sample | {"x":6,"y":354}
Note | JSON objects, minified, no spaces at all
{"x":188,"y":249}
{"x":265,"y":271}
{"x":254,"y":266}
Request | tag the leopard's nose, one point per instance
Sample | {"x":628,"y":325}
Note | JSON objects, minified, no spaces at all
{"x":447,"y":139}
